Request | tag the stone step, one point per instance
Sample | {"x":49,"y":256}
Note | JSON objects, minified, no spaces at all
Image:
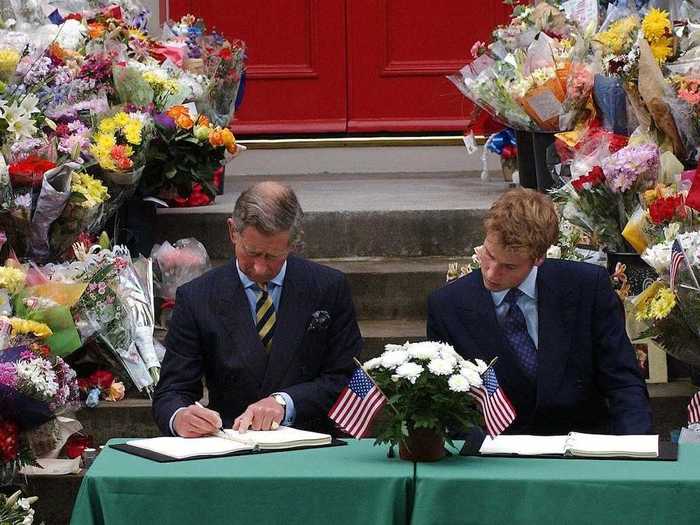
{"x":57,"y":494}
{"x":358,"y":215}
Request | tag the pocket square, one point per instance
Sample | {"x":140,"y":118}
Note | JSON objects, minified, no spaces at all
{"x":319,"y":321}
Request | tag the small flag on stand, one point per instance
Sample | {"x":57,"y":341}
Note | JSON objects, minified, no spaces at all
{"x":357,"y":405}
{"x":495,"y":405}
{"x":677,"y":258}
{"x":694,"y":409}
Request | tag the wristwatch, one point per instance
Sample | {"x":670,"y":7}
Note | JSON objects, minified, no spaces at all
{"x":280,"y":400}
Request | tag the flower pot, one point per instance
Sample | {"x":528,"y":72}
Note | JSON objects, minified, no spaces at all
{"x":422,"y":444}
{"x":639,"y":274}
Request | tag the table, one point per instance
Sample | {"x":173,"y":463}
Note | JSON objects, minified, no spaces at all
{"x":479,"y":490}
{"x":353,"y":484}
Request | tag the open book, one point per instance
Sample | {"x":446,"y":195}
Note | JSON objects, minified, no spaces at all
{"x":231,"y":441}
{"x":573,"y":444}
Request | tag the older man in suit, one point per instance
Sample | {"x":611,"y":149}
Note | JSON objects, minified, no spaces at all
{"x":564,"y":358}
{"x":273,"y":334}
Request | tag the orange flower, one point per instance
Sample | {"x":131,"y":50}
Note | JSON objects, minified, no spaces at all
{"x":228,"y":138}
{"x":177,"y":111}
{"x":216,"y":138}
{"x":184,"y":121}
{"x":202,"y":120}
{"x":96,"y":30}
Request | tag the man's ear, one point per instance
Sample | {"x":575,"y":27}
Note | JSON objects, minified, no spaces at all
{"x":231,"y":231}
{"x":539,"y":261}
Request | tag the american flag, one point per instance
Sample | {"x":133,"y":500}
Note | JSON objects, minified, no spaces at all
{"x":357,"y":405}
{"x":677,"y":257}
{"x":495,"y":405}
{"x":694,"y":409}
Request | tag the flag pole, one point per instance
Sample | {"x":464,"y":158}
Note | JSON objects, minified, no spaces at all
{"x":388,"y":401}
{"x":490,"y":365}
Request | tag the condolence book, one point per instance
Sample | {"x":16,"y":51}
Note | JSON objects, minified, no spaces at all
{"x":229,"y":443}
{"x":576,"y":444}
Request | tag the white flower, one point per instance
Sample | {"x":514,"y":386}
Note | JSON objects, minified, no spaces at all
{"x":409,"y":371}
{"x":71,"y":35}
{"x":441,"y":367}
{"x":372,"y":363}
{"x":392,"y":348}
{"x":423,"y":350}
{"x":29,"y":103}
{"x":481,"y":366}
{"x":471,"y":375}
{"x":458,"y":383}
{"x":394,"y":358}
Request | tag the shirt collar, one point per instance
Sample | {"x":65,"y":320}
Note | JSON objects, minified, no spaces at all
{"x":528,"y":287}
{"x":277,"y":280}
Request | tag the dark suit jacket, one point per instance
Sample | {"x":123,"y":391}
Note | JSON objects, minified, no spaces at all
{"x":212,"y":334}
{"x":588,"y":379}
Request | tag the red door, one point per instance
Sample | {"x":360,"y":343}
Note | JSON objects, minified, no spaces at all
{"x":329,"y":66}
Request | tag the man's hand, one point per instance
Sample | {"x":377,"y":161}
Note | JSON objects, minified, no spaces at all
{"x":196,"y":421}
{"x":265,"y":414}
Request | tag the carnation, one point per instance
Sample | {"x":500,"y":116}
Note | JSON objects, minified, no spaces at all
{"x":471,"y":374}
{"x":410,"y":371}
{"x":393,"y":359}
{"x":423,"y":350}
{"x":458,"y":383}
{"x":373,"y":363}
{"x":441,"y":367}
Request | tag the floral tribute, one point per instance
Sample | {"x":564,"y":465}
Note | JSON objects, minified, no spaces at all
{"x":427,"y":387}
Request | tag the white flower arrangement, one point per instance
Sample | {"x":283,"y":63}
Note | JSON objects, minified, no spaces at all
{"x":428,"y":386}
{"x":658,"y":256}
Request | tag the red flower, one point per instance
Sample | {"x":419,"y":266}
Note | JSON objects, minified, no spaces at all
{"x":9,"y":435}
{"x":74,"y":16}
{"x":593,"y":178}
{"x":102,"y":379}
{"x":30,"y":171}
{"x":196,"y":198}
{"x":225,"y":53}
{"x":665,"y":209}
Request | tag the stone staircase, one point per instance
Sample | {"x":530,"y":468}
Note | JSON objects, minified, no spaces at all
{"x":392,"y":234}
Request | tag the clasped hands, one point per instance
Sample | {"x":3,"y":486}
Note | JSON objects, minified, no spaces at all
{"x":197,"y":421}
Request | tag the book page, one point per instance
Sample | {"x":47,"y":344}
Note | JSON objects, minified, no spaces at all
{"x":602,"y":445}
{"x":181,"y":448}
{"x":283,"y":437}
{"x":524,"y":445}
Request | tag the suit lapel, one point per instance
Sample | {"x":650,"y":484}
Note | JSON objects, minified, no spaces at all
{"x":556,"y":312}
{"x":296,"y":306}
{"x":233,"y":310}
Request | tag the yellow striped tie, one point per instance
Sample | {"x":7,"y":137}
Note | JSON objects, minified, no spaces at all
{"x":265,"y":318}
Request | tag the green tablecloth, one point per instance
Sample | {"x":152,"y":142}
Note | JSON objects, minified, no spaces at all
{"x":461,"y":490}
{"x":354,"y":484}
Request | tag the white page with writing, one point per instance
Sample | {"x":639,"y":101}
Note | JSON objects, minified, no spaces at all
{"x":524,"y":445}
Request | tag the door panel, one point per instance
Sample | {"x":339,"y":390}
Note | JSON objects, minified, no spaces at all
{"x":296,"y":74}
{"x":399,"y":52}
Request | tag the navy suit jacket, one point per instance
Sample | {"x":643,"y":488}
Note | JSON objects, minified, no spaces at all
{"x":212,"y":335}
{"x":588,"y":379}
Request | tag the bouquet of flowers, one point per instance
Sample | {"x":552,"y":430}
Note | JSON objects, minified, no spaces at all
{"x":427,"y":385}
{"x":186,"y":153}
{"x":670,"y":308}
{"x":101,"y":384}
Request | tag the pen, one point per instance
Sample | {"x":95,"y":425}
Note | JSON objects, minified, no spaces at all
{"x":221,"y":428}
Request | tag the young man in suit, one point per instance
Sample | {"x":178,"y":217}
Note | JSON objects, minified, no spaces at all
{"x":564,"y":358}
{"x":273,"y":334}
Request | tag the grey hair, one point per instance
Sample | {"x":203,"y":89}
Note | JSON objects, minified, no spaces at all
{"x":270,"y":208}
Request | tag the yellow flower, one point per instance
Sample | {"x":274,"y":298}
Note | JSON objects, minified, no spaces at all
{"x":11,"y":279}
{"x":92,"y":190}
{"x":655,"y":303}
{"x":620,"y":36}
{"x":656,"y":25}
{"x":8,"y":63}
{"x":662,"y":50}
{"x":107,"y":126}
{"x":121,"y":119}
{"x":132,"y":131}
{"x":25,"y":326}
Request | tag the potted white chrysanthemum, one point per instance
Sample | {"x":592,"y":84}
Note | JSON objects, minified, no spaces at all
{"x":427,"y":385}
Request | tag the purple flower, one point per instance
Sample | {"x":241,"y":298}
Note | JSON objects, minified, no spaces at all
{"x":164,"y":121}
{"x":636,"y":166}
{"x":8,"y":375}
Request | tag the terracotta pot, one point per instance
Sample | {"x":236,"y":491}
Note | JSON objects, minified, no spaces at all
{"x":422,"y":444}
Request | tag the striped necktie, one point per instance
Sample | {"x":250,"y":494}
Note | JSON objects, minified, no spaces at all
{"x":265,"y":318}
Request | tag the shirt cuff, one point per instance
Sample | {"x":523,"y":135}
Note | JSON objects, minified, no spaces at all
{"x":172,"y":420}
{"x":289,"y":412}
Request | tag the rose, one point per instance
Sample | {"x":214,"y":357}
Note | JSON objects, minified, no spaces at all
{"x":116,"y":392}
{"x":30,"y":171}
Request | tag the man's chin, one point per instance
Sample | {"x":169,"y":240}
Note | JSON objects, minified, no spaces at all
{"x":492,"y":287}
